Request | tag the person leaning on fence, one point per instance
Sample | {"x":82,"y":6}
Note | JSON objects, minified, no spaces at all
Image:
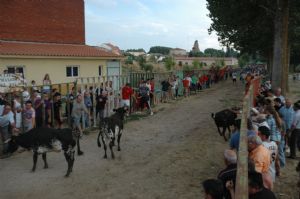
{"x":229,"y":173}
{"x":28,"y":116}
{"x":144,"y":93}
{"x":126,"y":95}
{"x":17,"y":108}
{"x":88,"y":105}
{"x":7,"y":125}
{"x":78,"y":107}
{"x":213,"y":189}
{"x":152,"y":83}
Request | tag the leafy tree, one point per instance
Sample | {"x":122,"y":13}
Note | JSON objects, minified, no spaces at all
{"x":244,"y":59}
{"x":196,"y":64}
{"x":136,"y":50}
{"x":261,"y":26}
{"x":196,"y":54}
{"x":148,"y":67}
{"x":211,"y":52}
{"x":160,"y":49}
{"x":169,"y":63}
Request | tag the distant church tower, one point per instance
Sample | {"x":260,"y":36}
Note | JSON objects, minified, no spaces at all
{"x":196,"y":47}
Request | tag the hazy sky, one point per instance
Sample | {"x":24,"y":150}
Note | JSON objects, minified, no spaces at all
{"x":146,"y":23}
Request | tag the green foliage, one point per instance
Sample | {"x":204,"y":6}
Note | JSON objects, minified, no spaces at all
{"x":211,"y":52}
{"x":196,"y":64}
{"x":160,"y":49}
{"x":169,"y":63}
{"x":147,"y":67}
{"x":196,"y":54}
{"x":136,"y":50}
{"x":244,"y":59}
{"x":186,"y":67}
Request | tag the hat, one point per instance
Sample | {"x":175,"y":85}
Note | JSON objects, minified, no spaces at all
{"x":264,"y":131}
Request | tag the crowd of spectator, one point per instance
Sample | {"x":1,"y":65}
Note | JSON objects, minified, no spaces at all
{"x":273,"y":130}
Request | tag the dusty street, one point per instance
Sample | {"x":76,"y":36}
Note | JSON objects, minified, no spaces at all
{"x":163,"y":156}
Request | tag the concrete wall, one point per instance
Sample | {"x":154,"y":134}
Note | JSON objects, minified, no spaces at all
{"x":36,"y":68}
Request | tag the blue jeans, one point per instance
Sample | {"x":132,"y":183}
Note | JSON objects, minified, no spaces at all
{"x":281,"y":154}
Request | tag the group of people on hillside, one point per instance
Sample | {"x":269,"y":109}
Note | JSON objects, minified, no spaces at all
{"x":273,"y":130}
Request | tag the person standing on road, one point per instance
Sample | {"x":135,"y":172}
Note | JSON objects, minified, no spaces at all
{"x":145,"y":97}
{"x":126,"y":95}
{"x":295,"y":136}
{"x":287,"y":113}
{"x":78,"y":108}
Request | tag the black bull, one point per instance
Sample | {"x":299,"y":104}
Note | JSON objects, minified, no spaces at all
{"x":224,"y":119}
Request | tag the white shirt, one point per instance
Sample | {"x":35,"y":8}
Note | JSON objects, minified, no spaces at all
{"x":296,"y":120}
{"x":272,"y":147}
{"x":7,"y":119}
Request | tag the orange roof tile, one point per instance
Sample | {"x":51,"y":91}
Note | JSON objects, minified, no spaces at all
{"x":50,"y":49}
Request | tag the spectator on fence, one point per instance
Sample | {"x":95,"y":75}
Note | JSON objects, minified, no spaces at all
{"x":258,"y":154}
{"x":287,"y":113}
{"x":152,"y":90}
{"x":17,"y":108}
{"x":275,"y":124}
{"x":100,"y":105}
{"x":91,"y":92}
{"x":25,"y":94}
{"x":38,"y":107}
{"x":264,"y":134}
{"x":126,"y":95}
{"x":88,"y":105}
{"x":7,"y":125}
{"x":213,"y":189}
{"x":48,"y":109}
{"x":277,"y":104}
{"x":78,"y":108}
{"x":144,"y":93}
{"x":295,"y":128}
{"x":99,"y":89}
{"x":70,"y":100}
{"x":229,"y":173}
{"x":186,"y":86}
{"x":174,"y":87}
{"x":28,"y":116}
{"x":165,"y":90}
{"x":57,"y":110}
{"x":110,"y":98}
{"x":46,"y":83}
{"x":256,"y":187}
{"x":34,"y":86}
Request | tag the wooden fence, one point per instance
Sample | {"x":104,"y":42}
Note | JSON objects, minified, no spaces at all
{"x":241,"y":187}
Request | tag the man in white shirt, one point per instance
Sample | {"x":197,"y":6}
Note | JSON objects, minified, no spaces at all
{"x":264,"y":134}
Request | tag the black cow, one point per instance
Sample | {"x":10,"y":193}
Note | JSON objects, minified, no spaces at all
{"x":111,"y":126}
{"x":41,"y":140}
{"x":224,"y":119}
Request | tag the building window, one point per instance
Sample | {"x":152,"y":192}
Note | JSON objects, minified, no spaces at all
{"x":15,"y":70}
{"x":100,"y":71}
{"x":72,"y":71}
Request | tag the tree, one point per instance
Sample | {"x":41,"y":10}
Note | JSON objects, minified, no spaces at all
{"x":211,"y":52}
{"x":244,"y":59}
{"x":136,"y":50}
{"x":261,"y":26}
{"x":160,"y":49}
{"x":148,"y":67}
{"x":196,"y":64}
{"x":196,"y":54}
{"x":169,"y":63}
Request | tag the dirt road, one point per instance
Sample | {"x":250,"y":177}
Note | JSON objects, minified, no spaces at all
{"x":163,"y":156}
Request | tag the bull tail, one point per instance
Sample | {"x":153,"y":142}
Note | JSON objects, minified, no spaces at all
{"x":98,"y":141}
{"x":213,"y":115}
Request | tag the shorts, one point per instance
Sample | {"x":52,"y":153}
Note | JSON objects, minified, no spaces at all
{"x":125,"y":102}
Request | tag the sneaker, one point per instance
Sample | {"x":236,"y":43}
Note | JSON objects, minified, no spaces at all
{"x":151,"y":113}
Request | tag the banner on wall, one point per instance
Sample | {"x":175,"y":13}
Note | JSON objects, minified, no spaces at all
{"x":11,"y":82}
